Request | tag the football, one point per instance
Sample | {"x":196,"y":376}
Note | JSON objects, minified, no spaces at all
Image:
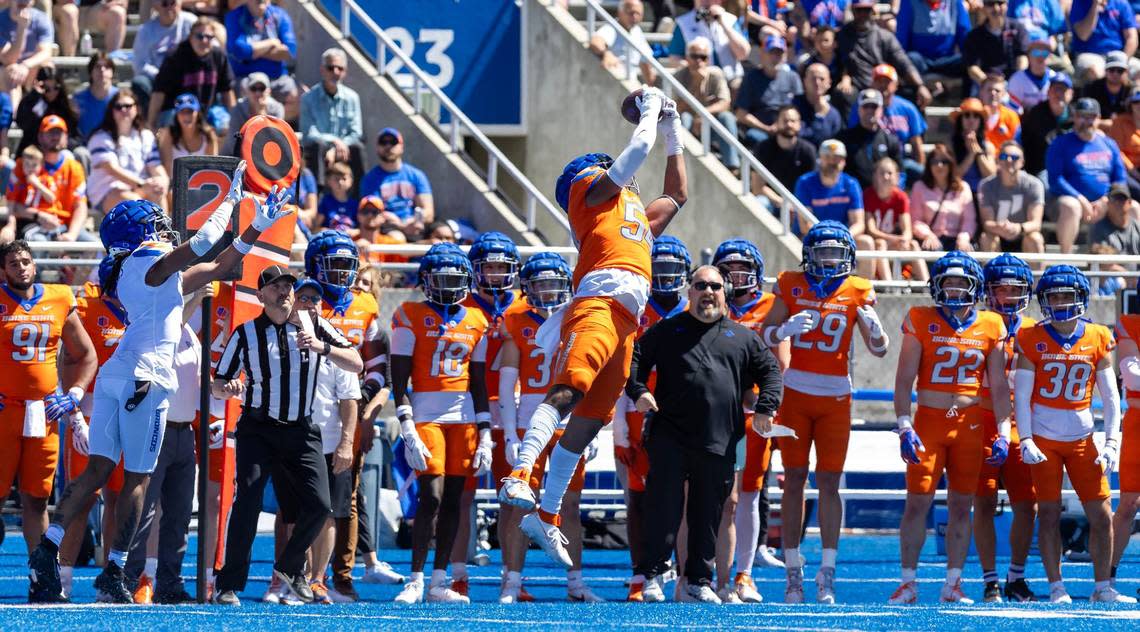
{"x":629,"y":109}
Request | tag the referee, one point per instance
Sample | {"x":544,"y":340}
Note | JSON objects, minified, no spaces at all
{"x":275,"y":433}
{"x":705,"y":364}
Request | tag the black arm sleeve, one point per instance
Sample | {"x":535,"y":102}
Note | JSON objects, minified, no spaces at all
{"x":766,"y":371}
{"x":644,"y":359}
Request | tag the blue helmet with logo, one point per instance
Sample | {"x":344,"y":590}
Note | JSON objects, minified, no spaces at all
{"x":332,"y":259}
{"x":132,"y":222}
{"x":445,"y":274}
{"x":1008,"y":271}
{"x":828,"y":251}
{"x":740,"y":251}
{"x":670,"y":265}
{"x":967,"y":291}
{"x":494,"y":248}
{"x":546,"y":280}
{"x":1063,"y":293}
{"x":571,"y":171}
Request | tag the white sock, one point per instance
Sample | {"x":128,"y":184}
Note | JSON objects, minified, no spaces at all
{"x":458,"y":570}
{"x":416,"y":576}
{"x":54,"y":534}
{"x":953,"y":575}
{"x":1057,"y":585}
{"x":118,"y":557}
{"x":747,"y":521}
{"x":151,"y":567}
{"x":514,"y":577}
{"x":438,"y":577}
{"x":559,"y":471}
{"x":1102,"y":585}
{"x":542,"y":425}
{"x":828,"y":557}
{"x":65,"y":575}
{"x":792,"y":558}
{"x":909,"y":575}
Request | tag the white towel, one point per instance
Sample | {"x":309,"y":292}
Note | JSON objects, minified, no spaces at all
{"x":549,"y":334}
{"x":35,"y":419}
{"x":779,"y":431}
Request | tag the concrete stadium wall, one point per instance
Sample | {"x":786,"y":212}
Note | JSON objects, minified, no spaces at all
{"x":459,"y":190}
{"x":572,"y":108}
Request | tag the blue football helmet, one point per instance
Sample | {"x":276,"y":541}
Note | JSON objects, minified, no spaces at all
{"x":131,"y":223}
{"x":670,"y":265}
{"x":828,"y":251}
{"x":108,"y":274}
{"x":546,"y":280}
{"x":739,"y":250}
{"x":445,"y":274}
{"x":571,"y":171}
{"x":1006,"y":270}
{"x":1063,"y":293}
{"x":494,"y":247}
{"x":332,"y":259}
{"x":956,"y":265}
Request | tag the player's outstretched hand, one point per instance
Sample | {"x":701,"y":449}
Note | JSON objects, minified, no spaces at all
{"x":235,"y":193}
{"x":910,"y":445}
{"x":1030,"y":453}
{"x":272,"y":209}
{"x":870,"y":318}
{"x":999,"y":452}
{"x":650,"y":103}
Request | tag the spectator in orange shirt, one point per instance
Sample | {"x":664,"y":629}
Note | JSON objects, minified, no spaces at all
{"x":1125,"y":131}
{"x":1002,"y":123}
{"x":61,"y":215}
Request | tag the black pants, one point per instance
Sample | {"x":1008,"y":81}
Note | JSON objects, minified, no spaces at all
{"x":292,"y":453}
{"x":710,"y":478}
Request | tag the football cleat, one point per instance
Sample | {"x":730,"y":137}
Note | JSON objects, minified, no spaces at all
{"x":952,"y":593}
{"x":510,"y":592}
{"x":444,"y":594}
{"x":1108,"y":594}
{"x":905,"y":594}
{"x":654,"y":591}
{"x":548,"y":537}
{"x":44,"y":583}
{"x":636,"y":592}
{"x":1058,"y":594}
{"x":745,"y":589}
{"x":728,"y":595}
{"x":110,"y":586}
{"x":516,"y":491}
{"x":382,"y":573}
{"x":825,"y":585}
{"x":320,"y":592}
{"x":992,"y":593}
{"x":794,"y":589}
{"x":273,"y":592}
{"x":699,"y":593}
{"x":144,"y":592}
{"x":294,"y":588}
{"x":581,"y":593}
{"x":412,"y":592}
{"x":1018,"y":590}
{"x":227,"y":598}
{"x":765,"y":558}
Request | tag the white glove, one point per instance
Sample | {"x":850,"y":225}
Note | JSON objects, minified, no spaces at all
{"x":669,"y":128}
{"x":869,"y":317}
{"x":235,"y":194}
{"x":650,"y":102}
{"x":1109,"y":456}
{"x":592,"y":450}
{"x":796,"y":324}
{"x":272,"y":210}
{"x":483,"y":453}
{"x":80,"y":438}
{"x":511,"y":449}
{"x":1031,"y":454}
{"x":415,"y":452}
{"x":217,"y":434}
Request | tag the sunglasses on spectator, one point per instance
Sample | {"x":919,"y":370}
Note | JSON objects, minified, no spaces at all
{"x":1039,"y":53}
{"x":333,"y":67}
{"x":698,"y":56}
{"x":368,"y":210}
{"x":387,"y":140}
{"x":1004,"y":157}
{"x":204,"y":37}
{"x":940,"y":162}
{"x":1115,"y":70}
{"x":310,"y":299}
{"x":257,"y":87}
{"x":702,"y":286}
{"x":125,"y":107}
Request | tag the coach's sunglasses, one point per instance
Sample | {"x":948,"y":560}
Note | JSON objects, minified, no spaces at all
{"x":702,"y":286}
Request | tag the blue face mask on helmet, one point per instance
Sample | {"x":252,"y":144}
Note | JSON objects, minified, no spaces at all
{"x":1008,"y":271}
{"x":956,"y":281}
{"x":546,"y":280}
{"x":445,"y":274}
{"x":730,"y":255}
{"x":670,"y":265}
{"x":133,"y":222}
{"x":1063,"y":293}
{"x":494,"y":249}
{"x":828,"y":254}
{"x":570,"y":173}
{"x":332,"y":259}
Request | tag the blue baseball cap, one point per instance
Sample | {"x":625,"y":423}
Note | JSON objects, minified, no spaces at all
{"x":1062,"y":79}
{"x":307,"y":282}
{"x":187,"y":101}
{"x":391,"y":131}
{"x":773,"y":42}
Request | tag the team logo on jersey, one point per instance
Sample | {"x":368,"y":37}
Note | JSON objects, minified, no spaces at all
{"x":527,"y":332}
{"x":221,"y":312}
{"x":103,"y":321}
{"x":3,"y":309}
{"x":429,"y":322}
{"x":644,"y":320}
{"x":796,"y":291}
{"x":1041,"y":347}
{"x":933,"y":328}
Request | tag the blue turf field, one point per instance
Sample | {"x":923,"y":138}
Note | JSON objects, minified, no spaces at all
{"x":867,"y":576}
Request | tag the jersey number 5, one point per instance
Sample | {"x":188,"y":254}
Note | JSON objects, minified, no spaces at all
{"x":635,"y":228}
{"x":448,"y":358}
{"x":31,"y":340}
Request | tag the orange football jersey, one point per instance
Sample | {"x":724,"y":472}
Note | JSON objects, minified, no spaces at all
{"x":358,"y":323}
{"x":613,"y":234}
{"x":104,"y":324}
{"x":826,"y":348}
{"x":442,"y":353}
{"x":1010,"y":345}
{"x":1065,"y":368}
{"x":953,"y":361}
{"x":494,"y":334}
{"x":1129,"y":327}
{"x":534,"y":363}
{"x":753,"y":313}
{"x":29,"y":339}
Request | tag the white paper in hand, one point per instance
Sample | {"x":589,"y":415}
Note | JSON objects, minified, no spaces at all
{"x":306,"y":322}
{"x":779,"y":431}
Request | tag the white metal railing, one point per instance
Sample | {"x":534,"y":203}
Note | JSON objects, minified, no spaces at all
{"x":709,"y":123}
{"x":460,"y":123}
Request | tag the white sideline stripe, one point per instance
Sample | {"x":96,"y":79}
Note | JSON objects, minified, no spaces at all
{"x":275,"y":257}
{"x":1112,"y":615}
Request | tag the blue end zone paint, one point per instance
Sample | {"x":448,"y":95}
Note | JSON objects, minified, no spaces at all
{"x":868,"y":567}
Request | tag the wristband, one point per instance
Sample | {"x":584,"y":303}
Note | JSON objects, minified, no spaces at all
{"x":903,"y":422}
{"x":483,"y":421}
{"x":403,"y":412}
{"x":77,"y":393}
{"x":376,"y":377}
{"x":368,"y":391}
{"x":241,"y":246}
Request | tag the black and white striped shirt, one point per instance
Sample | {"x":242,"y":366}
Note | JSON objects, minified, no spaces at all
{"x":280,"y":378}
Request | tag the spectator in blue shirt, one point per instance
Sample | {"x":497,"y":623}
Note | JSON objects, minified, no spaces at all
{"x":337,"y":208}
{"x":91,"y":102}
{"x":830,"y":193}
{"x":331,"y":118}
{"x":932,"y":34}
{"x":1031,"y":15}
{"x":1100,"y":26}
{"x":1082,"y":165}
{"x":765,"y":90}
{"x":20,"y":63}
{"x":821,"y":120}
{"x":260,"y":38}
{"x":405,"y":189}
{"x":900,"y":117}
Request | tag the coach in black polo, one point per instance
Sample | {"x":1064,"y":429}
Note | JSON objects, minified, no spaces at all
{"x":706,"y":364}
{"x":280,"y":355}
